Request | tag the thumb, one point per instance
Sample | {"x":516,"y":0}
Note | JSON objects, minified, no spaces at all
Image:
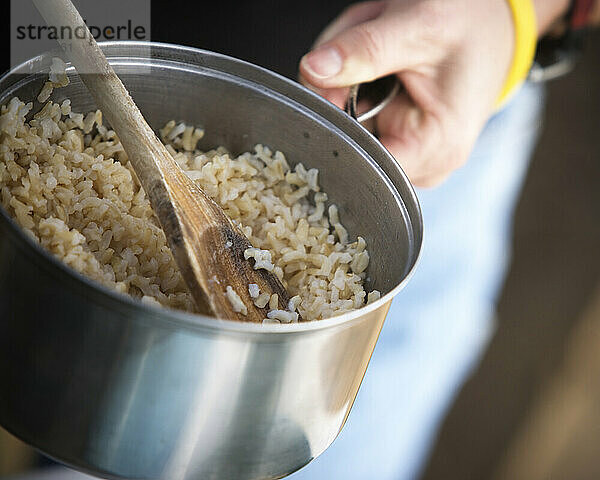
{"x":359,"y":54}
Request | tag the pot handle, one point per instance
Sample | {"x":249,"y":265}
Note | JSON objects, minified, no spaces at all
{"x":379,"y":92}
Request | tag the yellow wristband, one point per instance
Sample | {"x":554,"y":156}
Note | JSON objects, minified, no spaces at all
{"x":524,"y":19}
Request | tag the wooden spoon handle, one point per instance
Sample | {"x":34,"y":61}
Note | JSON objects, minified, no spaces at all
{"x":143,"y":148}
{"x":208,"y":248}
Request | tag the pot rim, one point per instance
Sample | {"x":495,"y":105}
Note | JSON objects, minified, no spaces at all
{"x":179,"y":318}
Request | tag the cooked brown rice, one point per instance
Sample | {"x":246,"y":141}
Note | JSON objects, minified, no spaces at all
{"x":66,"y":180}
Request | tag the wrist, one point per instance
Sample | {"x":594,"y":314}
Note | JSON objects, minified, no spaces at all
{"x":595,"y":18}
{"x":549,"y":11}
{"x":561,"y":46}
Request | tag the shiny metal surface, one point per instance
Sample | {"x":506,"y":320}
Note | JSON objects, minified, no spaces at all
{"x":122,"y":390}
{"x":378,"y":93}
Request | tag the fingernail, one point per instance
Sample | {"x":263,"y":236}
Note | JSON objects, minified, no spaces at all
{"x":324,"y":62}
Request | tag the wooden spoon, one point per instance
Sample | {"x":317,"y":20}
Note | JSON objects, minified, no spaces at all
{"x":207,"y":246}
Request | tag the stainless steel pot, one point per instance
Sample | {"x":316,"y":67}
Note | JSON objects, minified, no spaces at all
{"x":123,"y":390}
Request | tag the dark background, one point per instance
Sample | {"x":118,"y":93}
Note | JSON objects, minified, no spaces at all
{"x":271,"y":33}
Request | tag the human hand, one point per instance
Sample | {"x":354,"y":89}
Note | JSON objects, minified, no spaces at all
{"x":452,"y":56}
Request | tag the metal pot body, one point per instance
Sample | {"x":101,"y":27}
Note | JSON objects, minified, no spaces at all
{"x":123,"y":390}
